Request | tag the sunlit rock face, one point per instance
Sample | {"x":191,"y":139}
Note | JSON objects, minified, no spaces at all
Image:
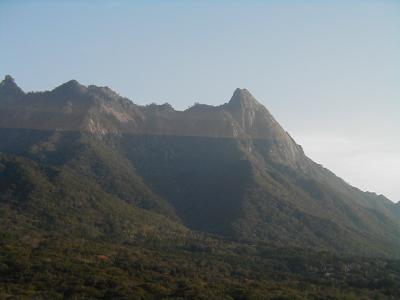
{"x":100,"y":110}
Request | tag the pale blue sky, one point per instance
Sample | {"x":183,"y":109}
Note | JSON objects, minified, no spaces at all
{"x":328,"y":70}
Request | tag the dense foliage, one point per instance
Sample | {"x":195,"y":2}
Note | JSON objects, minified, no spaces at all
{"x":59,"y":267}
{"x":78,"y":222}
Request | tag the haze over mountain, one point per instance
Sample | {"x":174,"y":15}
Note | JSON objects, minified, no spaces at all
{"x":229,"y":150}
{"x":257,"y":45}
{"x":229,"y":170}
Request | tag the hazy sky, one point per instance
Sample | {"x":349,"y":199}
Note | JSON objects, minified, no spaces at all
{"x":329,"y":71}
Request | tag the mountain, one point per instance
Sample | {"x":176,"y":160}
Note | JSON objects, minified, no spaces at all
{"x":229,"y":170}
{"x":9,"y":89}
{"x":101,"y":198}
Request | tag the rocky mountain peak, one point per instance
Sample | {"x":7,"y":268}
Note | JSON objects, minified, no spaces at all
{"x":8,"y":87}
{"x":242,"y":98}
{"x":247,"y":111}
{"x":8,"y":78}
{"x":71,"y":86}
{"x":245,"y":108}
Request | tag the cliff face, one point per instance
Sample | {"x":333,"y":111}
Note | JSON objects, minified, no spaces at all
{"x":230,"y":170}
{"x":242,"y":117}
{"x":99,"y":110}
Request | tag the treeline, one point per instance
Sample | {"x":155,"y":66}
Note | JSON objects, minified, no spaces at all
{"x":58,"y":267}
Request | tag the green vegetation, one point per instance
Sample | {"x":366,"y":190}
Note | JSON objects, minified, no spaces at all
{"x":78,"y":222}
{"x":59,"y":267}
